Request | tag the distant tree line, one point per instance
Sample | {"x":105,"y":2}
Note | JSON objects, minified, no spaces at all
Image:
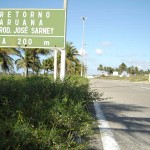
{"x":30,"y":60}
{"x":123,"y":67}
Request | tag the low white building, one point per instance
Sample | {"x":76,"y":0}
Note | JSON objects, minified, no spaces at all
{"x":115,"y":73}
{"x":124,"y":74}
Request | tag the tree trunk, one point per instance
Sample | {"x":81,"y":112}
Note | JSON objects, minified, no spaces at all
{"x":27,"y":71}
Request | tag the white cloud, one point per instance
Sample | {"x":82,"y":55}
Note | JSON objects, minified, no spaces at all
{"x":99,"y":51}
{"x":141,"y":64}
{"x":106,"y":44}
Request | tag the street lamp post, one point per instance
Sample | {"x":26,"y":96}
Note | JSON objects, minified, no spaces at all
{"x":83,"y":44}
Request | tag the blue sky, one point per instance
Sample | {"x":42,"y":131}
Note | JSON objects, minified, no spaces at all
{"x":116,"y":31}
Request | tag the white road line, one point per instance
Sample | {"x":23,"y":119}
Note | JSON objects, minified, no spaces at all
{"x":108,"y":140}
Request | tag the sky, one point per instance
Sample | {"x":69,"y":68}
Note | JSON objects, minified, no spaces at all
{"x":116,"y":31}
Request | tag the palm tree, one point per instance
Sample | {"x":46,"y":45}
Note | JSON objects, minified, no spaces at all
{"x":48,"y":64}
{"x":77,"y":70}
{"x":6,"y":61}
{"x":71,"y":58}
{"x":100,"y":67}
{"x":122,"y":67}
{"x":36,"y":65}
{"x":30,"y":59}
{"x":24,"y":61}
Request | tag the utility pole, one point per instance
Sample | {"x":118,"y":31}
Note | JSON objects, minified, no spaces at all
{"x":83,"y":44}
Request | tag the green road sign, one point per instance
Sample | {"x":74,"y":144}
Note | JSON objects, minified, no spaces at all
{"x":32,"y":28}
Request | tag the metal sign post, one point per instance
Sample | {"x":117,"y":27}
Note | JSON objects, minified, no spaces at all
{"x":55,"y":64}
{"x":63,"y":52}
{"x":63,"y":62}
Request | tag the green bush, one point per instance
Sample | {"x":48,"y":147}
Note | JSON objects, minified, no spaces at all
{"x":38,"y":113}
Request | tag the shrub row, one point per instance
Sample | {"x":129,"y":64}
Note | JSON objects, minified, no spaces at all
{"x":38,"y":113}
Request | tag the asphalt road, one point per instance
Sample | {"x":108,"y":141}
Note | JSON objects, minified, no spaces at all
{"x":126,"y":107}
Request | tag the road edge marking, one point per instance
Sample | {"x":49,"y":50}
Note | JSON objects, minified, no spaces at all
{"x":107,"y":137}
